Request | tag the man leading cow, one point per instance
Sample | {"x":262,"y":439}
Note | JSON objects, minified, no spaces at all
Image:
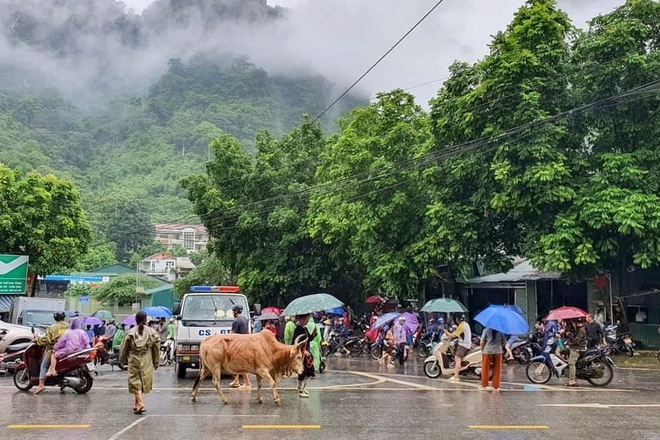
{"x":240,"y":326}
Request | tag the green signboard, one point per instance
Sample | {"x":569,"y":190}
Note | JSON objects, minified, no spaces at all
{"x":13,"y":274}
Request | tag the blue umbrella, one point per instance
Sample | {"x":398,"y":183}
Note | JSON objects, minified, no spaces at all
{"x":387,"y":317}
{"x":503,"y":319}
{"x":157,"y":312}
{"x":336,"y":311}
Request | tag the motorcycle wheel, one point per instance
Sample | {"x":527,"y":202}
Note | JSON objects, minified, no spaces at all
{"x":524,"y":357}
{"x":538,"y":372}
{"x":366,"y":347}
{"x":85,"y":383}
{"x":355,"y":349}
{"x":22,"y":379}
{"x":432,"y":369}
{"x":377,"y":352}
{"x":422,"y":351}
{"x":163,"y":358}
{"x":630,"y":351}
{"x":608,"y":374}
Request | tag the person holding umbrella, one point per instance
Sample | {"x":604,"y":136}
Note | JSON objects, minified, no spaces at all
{"x":492,"y":343}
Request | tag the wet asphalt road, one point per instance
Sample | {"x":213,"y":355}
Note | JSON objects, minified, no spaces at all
{"x":355,"y":398}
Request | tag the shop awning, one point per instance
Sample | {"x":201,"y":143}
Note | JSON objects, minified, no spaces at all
{"x":522,"y":271}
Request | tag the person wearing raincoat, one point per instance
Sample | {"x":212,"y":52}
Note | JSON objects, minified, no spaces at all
{"x":140,"y":350}
{"x":315,"y":342}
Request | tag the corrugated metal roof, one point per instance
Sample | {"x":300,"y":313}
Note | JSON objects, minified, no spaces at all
{"x":522,"y":271}
{"x":5,"y":302}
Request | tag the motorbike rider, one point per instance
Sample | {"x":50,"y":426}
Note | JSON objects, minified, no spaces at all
{"x":577,"y":343}
{"x":464,"y":335}
{"x":74,"y":339}
{"x":48,"y":341}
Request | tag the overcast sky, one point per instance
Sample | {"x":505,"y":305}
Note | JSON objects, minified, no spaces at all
{"x":341,"y":38}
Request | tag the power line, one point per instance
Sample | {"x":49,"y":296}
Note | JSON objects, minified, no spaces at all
{"x":421,"y":20}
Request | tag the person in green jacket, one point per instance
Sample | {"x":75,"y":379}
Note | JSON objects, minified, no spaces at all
{"x":289,"y":328}
{"x":118,"y":337}
{"x":171,"y":329}
{"x":315,"y":343}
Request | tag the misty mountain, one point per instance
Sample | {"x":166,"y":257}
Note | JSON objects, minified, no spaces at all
{"x":91,"y":90}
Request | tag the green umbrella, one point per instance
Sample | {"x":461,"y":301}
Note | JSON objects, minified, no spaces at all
{"x":444,"y":305}
{"x":310,"y":304}
{"x":104,"y":315}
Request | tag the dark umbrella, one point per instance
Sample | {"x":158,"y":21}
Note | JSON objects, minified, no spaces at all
{"x":268,"y":316}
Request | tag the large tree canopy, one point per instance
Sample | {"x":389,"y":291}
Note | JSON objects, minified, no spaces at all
{"x":41,"y":216}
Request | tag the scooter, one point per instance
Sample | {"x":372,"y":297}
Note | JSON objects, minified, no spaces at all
{"x":167,"y":352}
{"x":619,"y":342}
{"x":73,"y":371}
{"x":594,"y":366}
{"x":441,"y":361}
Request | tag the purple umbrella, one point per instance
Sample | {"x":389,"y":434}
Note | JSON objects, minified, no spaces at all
{"x":411,"y":321}
{"x":129,"y":321}
{"x":91,"y":321}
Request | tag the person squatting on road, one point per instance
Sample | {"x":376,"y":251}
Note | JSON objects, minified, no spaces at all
{"x":308,"y":360}
{"x":464,"y":335}
{"x":48,"y":341}
{"x":74,"y":339}
{"x":577,"y":343}
{"x":140,"y":350}
{"x":492,"y":342}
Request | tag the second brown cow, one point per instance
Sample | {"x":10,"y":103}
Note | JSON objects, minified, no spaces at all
{"x":260,"y":354}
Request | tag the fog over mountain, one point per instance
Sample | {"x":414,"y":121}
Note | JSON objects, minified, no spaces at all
{"x":89,"y":48}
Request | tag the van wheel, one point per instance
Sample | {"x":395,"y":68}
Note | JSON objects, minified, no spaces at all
{"x":180,"y":371}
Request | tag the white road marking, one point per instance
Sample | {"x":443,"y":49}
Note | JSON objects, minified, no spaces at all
{"x":128,"y":428}
{"x":399,"y":382}
{"x":600,"y":405}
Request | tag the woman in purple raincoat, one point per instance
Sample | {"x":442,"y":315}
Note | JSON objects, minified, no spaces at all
{"x":74,"y":339}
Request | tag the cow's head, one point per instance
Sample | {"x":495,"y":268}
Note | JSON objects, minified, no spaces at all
{"x":296,"y":353}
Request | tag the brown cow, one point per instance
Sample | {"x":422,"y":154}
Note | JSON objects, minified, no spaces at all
{"x":260,"y":354}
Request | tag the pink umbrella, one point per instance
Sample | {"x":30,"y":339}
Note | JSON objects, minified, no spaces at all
{"x":565,"y":313}
{"x":275,"y":310}
{"x":374,"y":299}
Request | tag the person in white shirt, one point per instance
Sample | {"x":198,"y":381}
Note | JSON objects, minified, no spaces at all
{"x":464,"y":335}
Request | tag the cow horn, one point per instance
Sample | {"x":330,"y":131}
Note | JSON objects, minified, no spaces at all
{"x":300,"y":340}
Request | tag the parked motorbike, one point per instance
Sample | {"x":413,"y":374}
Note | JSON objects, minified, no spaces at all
{"x":425,"y":346}
{"x":619,"y":342}
{"x":167,"y":352}
{"x":73,"y":371}
{"x":353,"y":344}
{"x":441,"y":362}
{"x":13,"y":355}
{"x":526,"y":349}
{"x":594,"y":366}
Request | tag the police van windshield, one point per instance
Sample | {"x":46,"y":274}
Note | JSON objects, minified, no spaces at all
{"x":211,"y":307}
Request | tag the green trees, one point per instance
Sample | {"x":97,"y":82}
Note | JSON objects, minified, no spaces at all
{"x":123,"y":290}
{"x":41,"y":216}
{"x":613,"y":221}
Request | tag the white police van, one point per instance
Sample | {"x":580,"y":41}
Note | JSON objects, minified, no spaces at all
{"x":205,"y":311}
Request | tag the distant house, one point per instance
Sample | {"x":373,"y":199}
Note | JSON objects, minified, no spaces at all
{"x":166,"y":267}
{"x":192,"y":238}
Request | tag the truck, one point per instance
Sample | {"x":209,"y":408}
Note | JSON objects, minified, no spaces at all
{"x":35,"y":312}
{"x":204,"y":311}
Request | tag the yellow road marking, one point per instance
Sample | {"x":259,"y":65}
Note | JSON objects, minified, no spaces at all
{"x":49,"y":426}
{"x":281,"y":426}
{"x":508,"y":427}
